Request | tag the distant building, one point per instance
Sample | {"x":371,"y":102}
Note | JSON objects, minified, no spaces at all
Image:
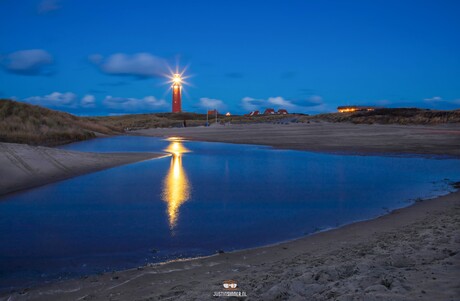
{"x":348,"y":109}
{"x":254,"y":113}
{"x":282,"y":112}
{"x":213,"y":112}
{"x":269,"y":112}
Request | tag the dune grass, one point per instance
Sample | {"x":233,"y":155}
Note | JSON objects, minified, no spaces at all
{"x":403,"y":116}
{"x":144,"y":121}
{"x":25,"y":123}
{"x":35,"y":125}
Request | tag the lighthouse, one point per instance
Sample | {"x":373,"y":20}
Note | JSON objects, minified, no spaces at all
{"x":176,"y":93}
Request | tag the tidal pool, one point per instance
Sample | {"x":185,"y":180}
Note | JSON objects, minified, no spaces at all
{"x":203,"y":198}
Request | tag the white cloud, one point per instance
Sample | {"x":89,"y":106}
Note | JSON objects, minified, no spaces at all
{"x":28,"y":62}
{"x":250,"y":104}
{"x":282,"y":103}
{"x":139,"y":65}
{"x":47,"y":6}
{"x":88,"y":100}
{"x":440,"y":103}
{"x":134,"y":104}
{"x":54,"y":99}
{"x":434,"y":99}
{"x":210,"y":104}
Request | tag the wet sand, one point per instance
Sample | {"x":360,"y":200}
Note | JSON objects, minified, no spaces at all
{"x":329,"y":137}
{"x":24,"y":166}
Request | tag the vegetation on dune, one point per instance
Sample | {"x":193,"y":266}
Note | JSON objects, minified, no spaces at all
{"x":144,"y":121}
{"x":391,"y":116}
{"x":25,"y":123}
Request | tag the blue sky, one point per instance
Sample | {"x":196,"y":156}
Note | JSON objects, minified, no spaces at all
{"x":109,"y":57}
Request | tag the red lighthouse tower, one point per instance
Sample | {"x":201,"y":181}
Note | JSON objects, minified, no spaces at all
{"x":176,"y":94}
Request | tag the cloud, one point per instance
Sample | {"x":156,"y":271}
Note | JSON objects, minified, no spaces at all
{"x":55,"y":99}
{"x":46,"y":6}
{"x":281,"y":102}
{"x":140,"y":65}
{"x":71,"y":102}
{"x":88,"y":100}
{"x":312,"y":104}
{"x":210,"y":103}
{"x":434,"y":99}
{"x":28,"y":62}
{"x":135,"y":104}
{"x":438,"y":103}
{"x":251,"y":104}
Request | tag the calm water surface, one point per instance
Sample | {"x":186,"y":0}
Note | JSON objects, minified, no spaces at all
{"x":203,"y":198}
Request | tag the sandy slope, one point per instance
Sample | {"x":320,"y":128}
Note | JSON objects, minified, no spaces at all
{"x":23,"y":166}
{"x":333,"y":137}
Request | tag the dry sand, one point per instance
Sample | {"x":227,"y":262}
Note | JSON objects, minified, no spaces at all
{"x":23,"y":166}
{"x":330,"y":137}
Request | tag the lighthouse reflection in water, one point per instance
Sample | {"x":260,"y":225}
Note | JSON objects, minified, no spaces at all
{"x":176,"y":186}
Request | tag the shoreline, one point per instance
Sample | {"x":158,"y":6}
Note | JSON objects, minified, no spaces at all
{"x":322,"y":265}
{"x":25,"y":166}
{"x":343,"y":138}
{"x":246,"y":264}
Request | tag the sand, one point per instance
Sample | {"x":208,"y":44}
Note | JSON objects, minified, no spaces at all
{"x":23,"y":166}
{"x":330,"y":137}
{"x":410,"y":254}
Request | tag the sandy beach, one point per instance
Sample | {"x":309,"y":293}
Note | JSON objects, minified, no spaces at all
{"x":329,"y":137}
{"x":24,"y":166}
{"x":409,"y":254}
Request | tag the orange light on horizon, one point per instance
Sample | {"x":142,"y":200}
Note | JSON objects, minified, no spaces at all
{"x":347,"y":110}
{"x":353,"y":109}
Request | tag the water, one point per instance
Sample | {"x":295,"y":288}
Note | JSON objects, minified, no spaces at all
{"x":205,"y":197}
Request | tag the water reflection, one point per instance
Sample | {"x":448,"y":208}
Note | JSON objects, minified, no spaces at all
{"x":176,"y":186}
